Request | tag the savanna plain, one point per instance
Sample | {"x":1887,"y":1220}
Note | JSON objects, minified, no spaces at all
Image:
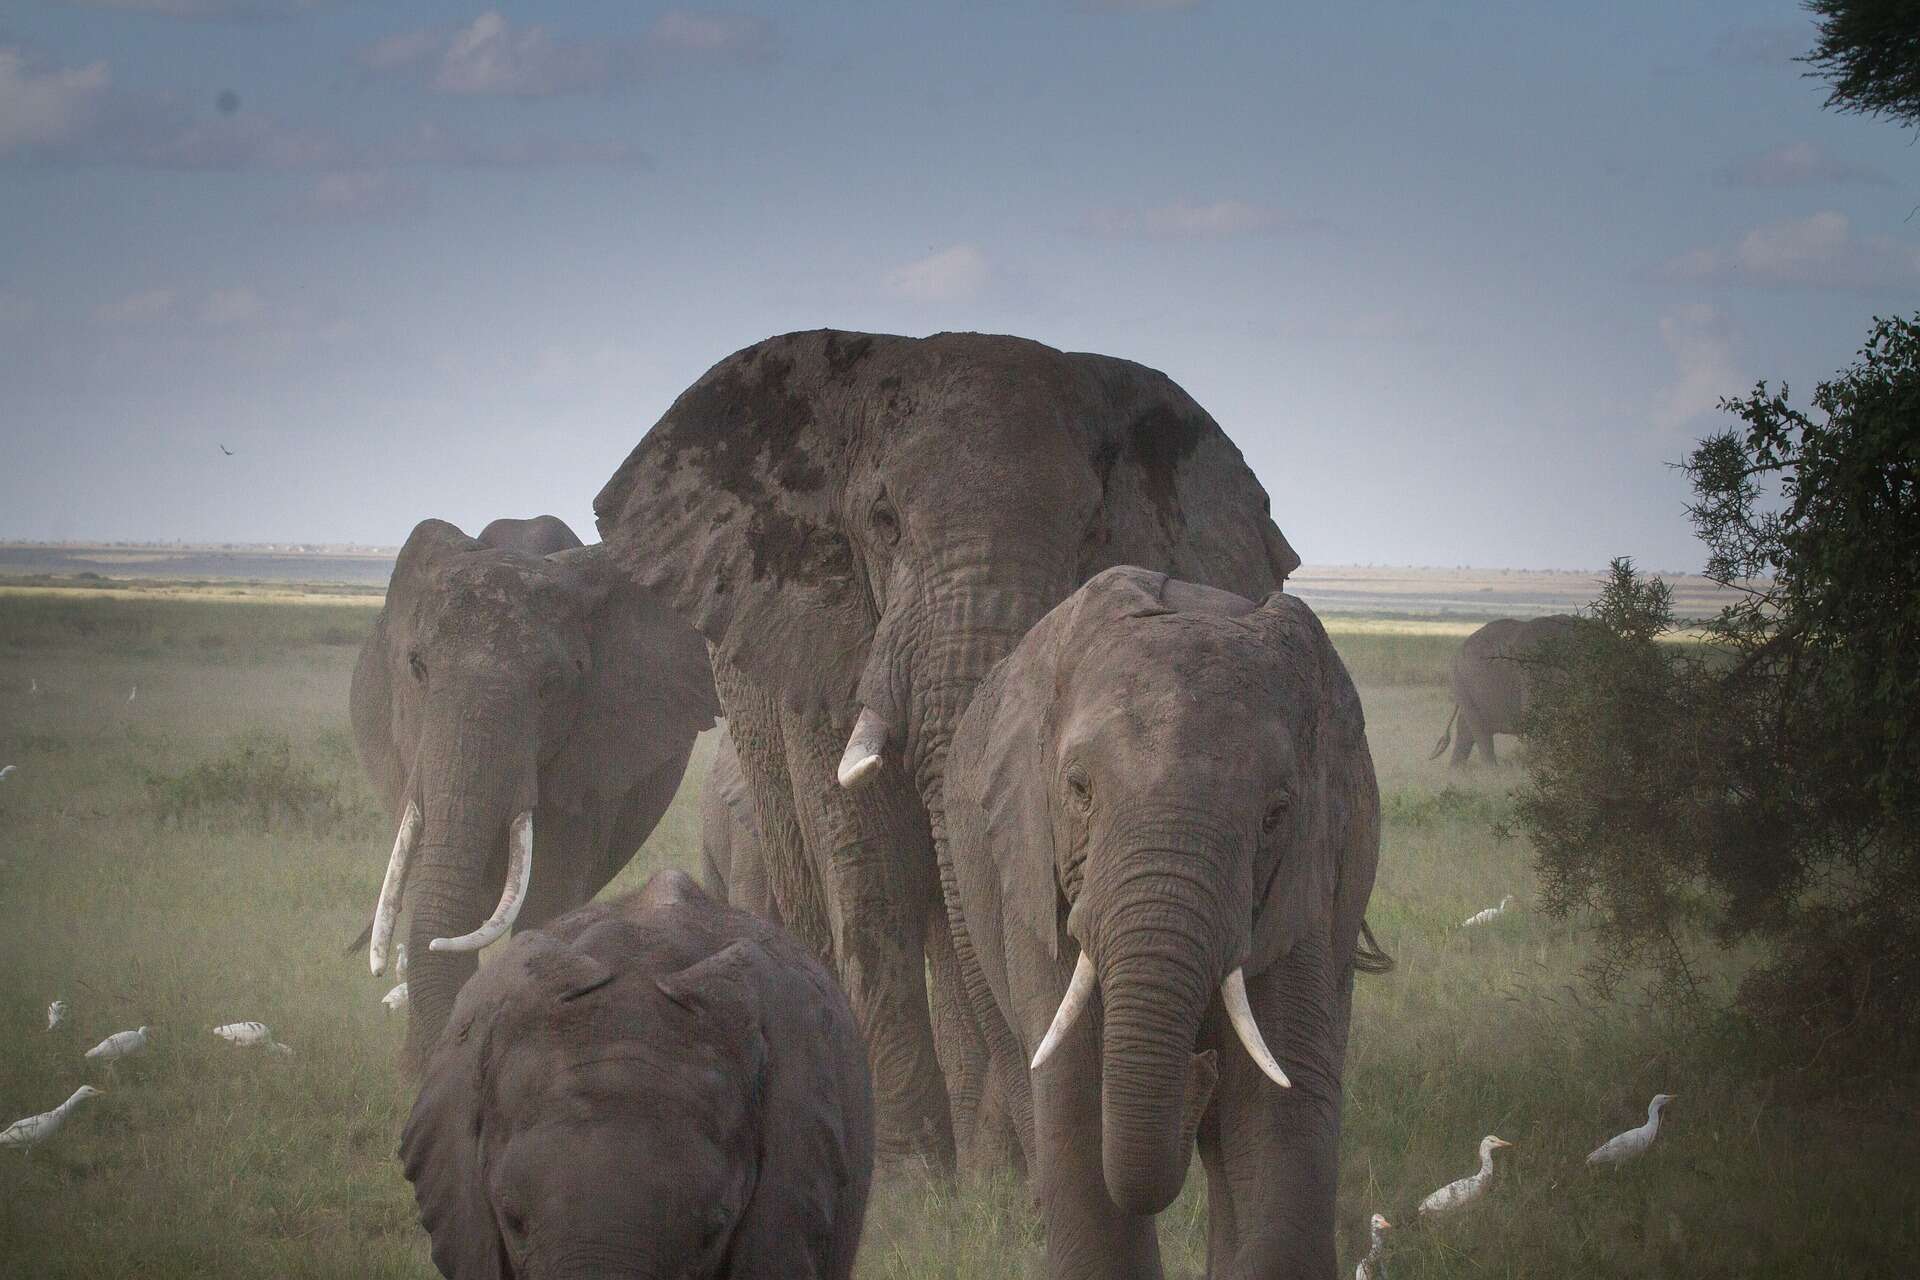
{"x":202,"y":851}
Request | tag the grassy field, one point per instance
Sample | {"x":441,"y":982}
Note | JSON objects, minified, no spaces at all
{"x":202,"y":853}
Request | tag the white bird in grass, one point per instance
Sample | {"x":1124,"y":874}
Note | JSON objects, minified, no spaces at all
{"x":1634,"y":1142}
{"x":1489,"y":915}
{"x":119,"y":1045}
{"x":37,"y":1129}
{"x":8,"y":772}
{"x":1462,"y":1192}
{"x":1372,"y":1266}
{"x":249,"y":1035}
{"x":395,"y":999}
{"x":56,"y":1014}
{"x":133,"y":693}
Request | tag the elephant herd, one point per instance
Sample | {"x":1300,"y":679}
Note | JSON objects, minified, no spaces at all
{"x":1042,"y":832}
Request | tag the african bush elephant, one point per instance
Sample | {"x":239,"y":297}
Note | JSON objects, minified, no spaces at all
{"x":861,"y":525}
{"x":527,"y":715}
{"x":657,"y":1086}
{"x":1490,"y":681}
{"x":1164,"y":828}
{"x":732,"y":862}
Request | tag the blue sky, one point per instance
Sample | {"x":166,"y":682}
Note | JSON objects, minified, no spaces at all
{"x":1460,"y":280}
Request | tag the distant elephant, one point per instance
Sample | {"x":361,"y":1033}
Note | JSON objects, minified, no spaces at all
{"x":1490,"y":681}
{"x":732,"y":861}
{"x":656,"y":1086}
{"x":526,"y":712}
{"x":861,"y":525}
{"x":1164,"y":831}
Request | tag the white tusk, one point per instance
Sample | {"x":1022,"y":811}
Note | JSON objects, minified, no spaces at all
{"x":861,"y":760}
{"x":1079,"y":991}
{"x":391,"y":889}
{"x":513,"y":895}
{"x":1233,"y":994}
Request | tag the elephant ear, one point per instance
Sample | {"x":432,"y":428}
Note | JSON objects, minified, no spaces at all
{"x":1177,"y":493}
{"x":1017,"y":702}
{"x":441,"y":1151}
{"x":1339,"y":831}
{"x":730,"y":508}
{"x":649,"y":687}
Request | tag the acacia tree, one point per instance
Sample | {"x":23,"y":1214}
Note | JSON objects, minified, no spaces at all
{"x":1764,"y":785}
{"x":1869,"y":54}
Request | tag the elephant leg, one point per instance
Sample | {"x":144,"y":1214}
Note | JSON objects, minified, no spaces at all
{"x":876,"y":865}
{"x":959,"y":1046}
{"x":1088,"y":1236}
{"x":1272,"y":1155}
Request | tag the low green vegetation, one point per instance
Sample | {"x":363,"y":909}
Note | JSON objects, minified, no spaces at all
{"x":204,"y":853}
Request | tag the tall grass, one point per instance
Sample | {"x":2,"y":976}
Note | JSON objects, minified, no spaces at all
{"x":202,"y":855}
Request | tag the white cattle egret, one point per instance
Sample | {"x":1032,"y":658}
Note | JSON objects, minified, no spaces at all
{"x":1489,"y":915}
{"x":250,"y":1035}
{"x":8,"y":771}
{"x":34,"y":686}
{"x":37,"y":1129}
{"x":133,"y":693}
{"x":396,"y":998}
{"x":1370,"y":1267}
{"x":1462,"y":1192}
{"x":119,"y":1045}
{"x":56,"y":1014}
{"x":1633,"y":1142}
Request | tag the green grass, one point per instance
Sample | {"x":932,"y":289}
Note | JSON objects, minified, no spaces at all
{"x":203,"y":853}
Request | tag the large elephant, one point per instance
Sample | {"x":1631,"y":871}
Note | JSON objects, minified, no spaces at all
{"x":1164,"y":827}
{"x":861,"y":525}
{"x":1490,"y":681}
{"x":658,"y":1086}
{"x":526,"y":712}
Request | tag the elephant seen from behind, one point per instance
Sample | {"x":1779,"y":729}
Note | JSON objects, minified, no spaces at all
{"x":657,"y":1086}
{"x":1164,"y":829}
{"x":1490,"y":679}
{"x":526,"y":712}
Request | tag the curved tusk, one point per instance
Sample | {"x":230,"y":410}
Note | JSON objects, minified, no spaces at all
{"x":1079,"y":991}
{"x":391,"y":889}
{"x":1233,"y":994}
{"x":861,"y":760}
{"x":513,"y":895}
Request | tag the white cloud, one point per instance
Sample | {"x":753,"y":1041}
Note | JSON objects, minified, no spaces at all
{"x":954,"y":274}
{"x":354,"y":195}
{"x":491,"y":57}
{"x":1186,"y":220}
{"x":1816,"y":252}
{"x":46,"y":108}
{"x":1797,"y":164}
{"x":137,"y":310}
{"x":1700,"y":339}
{"x":238,"y":308}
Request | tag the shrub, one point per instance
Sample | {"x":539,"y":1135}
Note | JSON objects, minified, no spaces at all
{"x":258,"y":783}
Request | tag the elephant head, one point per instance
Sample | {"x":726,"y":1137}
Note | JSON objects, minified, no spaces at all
{"x":502,"y":690}
{"x":624,"y":1093}
{"x":864,"y":524}
{"x":1176,"y":782}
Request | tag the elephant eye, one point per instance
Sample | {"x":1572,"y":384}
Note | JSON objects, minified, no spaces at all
{"x":885,"y":520}
{"x":711,"y":1229}
{"x":515,"y":1222}
{"x":551,"y":685}
{"x":1276,"y":814}
{"x":418,"y":666}
{"x":1079,"y":788}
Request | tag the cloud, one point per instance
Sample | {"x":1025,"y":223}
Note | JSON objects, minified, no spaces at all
{"x":135,"y":311}
{"x":200,"y":10}
{"x":354,"y":195}
{"x":1797,"y":164}
{"x":1768,"y":46}
{"x":1817,"y":252}
{"x":954,"y":274}
{"x":1700,"y":339}
{"x":229,"y":309}
{"x":46,"y":108}
{"x":1220,"y":220}
{"x":491,"y":57}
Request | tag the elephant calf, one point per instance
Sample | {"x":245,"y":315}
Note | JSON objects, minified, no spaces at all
{"x":1164,"y":831}
{"x":657,"y":1086}
{"x":1490,"y":681}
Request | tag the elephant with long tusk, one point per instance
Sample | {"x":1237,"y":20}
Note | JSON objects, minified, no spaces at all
{"x":517,"y":696}
{"x":1164,"y":825}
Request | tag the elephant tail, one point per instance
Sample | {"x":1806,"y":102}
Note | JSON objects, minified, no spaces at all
{"x":1446,"y":735}
{"x":1370,"y":956}
{"x":366,"y":935}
